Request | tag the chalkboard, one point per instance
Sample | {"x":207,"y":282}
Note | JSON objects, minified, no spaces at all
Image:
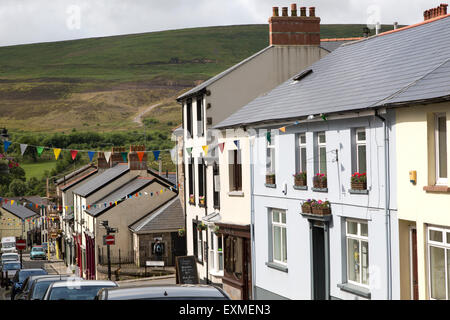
{"x":186,"y":270}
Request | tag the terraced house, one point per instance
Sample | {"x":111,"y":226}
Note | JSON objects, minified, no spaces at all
{"x":217,"y":166}
{"x":341,"y":126}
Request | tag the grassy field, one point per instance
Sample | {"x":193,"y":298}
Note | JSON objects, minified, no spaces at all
{"x":37,"y":169}
{"x":101,"y":84}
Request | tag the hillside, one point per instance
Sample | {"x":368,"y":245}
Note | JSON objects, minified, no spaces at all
{"x":101,"y":84}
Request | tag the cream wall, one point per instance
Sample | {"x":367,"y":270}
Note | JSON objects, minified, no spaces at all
{"x":13,"y":230}
{"x":414,"y":136}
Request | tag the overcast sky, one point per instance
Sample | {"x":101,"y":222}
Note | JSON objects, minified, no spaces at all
{"x":30,"y":21}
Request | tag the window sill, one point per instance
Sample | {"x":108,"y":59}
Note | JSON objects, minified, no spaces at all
{"x":324,"y":190}
{"x":444,"y":189}
{"x":236,"y":194}
{"x":273,"y":186}
{"x":353,"y":191}
{"x":216,"y":273}
{"x":192,"y":203}
{"x":277,"y":266}
{"x":351,"y":288}
{"x":300,"y":187}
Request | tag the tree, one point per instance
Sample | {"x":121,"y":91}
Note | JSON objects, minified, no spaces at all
{"x":17,"y":188}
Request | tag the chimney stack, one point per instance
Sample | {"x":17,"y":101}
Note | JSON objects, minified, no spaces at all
{"x":295,"y":29}
{"x":133,"y":158}
{"x":116,"y":156}
{"x":101,"y":162}
{"x":435,"y":12}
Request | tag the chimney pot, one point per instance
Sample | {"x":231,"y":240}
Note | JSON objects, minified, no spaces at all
{"x":285,"y":12}
{"x":425,"y":15}
{"x":294,"y":10}
{"x":444,"y":7}
{"x":312,"y":11}
{"x":275,"y":11}
{"x":303,"y":11}
{"x":395,"y":25}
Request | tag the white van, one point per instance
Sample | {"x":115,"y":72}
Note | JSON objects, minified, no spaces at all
{"x":9,"y":244}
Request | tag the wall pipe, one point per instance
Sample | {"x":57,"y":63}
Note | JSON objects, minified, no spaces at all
{"x":252,"y":219}
{"x":387,"y":205}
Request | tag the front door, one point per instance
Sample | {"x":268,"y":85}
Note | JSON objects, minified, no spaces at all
{"x":318,"y":247}
{"x":414,"y":276}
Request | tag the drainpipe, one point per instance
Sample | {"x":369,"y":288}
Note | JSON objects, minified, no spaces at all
{"x":252,"y":219}
{"x":387,"y":205}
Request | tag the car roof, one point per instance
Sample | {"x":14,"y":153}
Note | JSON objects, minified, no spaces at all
{"x":165,"y":291}
{"x":85,"y":283}
{"x":44,"y":277}
{"x":10,"y":262}
{"x":35,"y":269}
{"x":10,"y":254}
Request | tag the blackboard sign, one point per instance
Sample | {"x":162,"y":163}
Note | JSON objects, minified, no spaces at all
{"x":186,"y":270}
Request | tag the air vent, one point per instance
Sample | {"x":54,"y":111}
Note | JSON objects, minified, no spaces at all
{"x":302,"y":75}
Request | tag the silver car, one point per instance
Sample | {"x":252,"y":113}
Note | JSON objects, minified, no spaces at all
{"x":9,"y":257}
{"x":76,"y":289}
{"x":10,"y":268}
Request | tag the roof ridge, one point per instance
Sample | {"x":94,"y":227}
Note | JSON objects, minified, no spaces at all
{"x":340,"y":39}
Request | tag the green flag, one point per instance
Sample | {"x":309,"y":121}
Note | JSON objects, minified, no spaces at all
{"x":39,"y":150}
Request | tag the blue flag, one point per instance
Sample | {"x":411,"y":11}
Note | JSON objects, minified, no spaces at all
{"x":236,"y":142}
{"x":6,"y":144}
{"x":91,"y":155}
{"x":156,"y":154}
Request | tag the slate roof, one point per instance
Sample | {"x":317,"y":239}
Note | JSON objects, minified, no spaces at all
{"x":332,"y":44}
{"x":19,"y":211}
{"x":406,"y":65}
{"x":101,"y":180}
{"x":125,"y":190}
{"x":170,"y":178}
{"x":78,"y":179}
{"x":168,"y":217}
{"x":74,"y":173}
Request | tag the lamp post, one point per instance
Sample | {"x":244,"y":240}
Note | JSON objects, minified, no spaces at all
{"x":109,"y":230}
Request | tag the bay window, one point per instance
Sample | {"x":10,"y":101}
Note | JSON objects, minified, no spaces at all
{"x":357,"y":252}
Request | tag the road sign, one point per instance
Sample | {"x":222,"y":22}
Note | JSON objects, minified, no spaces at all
{"x":21,"y":244}
{"x":110,"y":239}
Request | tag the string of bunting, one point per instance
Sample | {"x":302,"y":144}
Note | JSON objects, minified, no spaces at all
{"x":283,"y":129}
{"x":206,"y":148}
{"x":74,"y":152}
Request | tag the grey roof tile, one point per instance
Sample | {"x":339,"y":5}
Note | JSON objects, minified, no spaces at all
{"x":19,"y":211}
{"x":102,"y":179}
{"x":363,"y":74}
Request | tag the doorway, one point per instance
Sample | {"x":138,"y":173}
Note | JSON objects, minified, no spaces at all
{"x":413,"y":263}
{"x":318,"y":261}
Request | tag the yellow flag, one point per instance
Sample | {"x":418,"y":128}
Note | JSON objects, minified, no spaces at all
{"x":205,"y":150}
{"x":283,"y":129}
{"x":115,"y":202}
{"x":56,"y":151}
{"x":12,"y":202}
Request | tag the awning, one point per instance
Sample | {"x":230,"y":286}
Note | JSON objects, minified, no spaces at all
{"x":212,"y":217}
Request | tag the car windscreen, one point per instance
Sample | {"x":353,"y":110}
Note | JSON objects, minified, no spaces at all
{"x":10,"y":258}
{"x":11,"y":266}
{"x":25,"y":274}
{"x":8,"y":245}
{"x":75,"y":293}
{"x":40,"y":288}
{"x":40,"y":249}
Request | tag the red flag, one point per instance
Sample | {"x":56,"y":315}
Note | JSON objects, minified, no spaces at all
{"x":221,"y":146}
{"x":140,"y":155}
{"x":73,"y":153}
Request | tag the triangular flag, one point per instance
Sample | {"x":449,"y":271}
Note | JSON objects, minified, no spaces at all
{"x":6,"y":144}
{"x":74,"y":154}
{"x":189,"y":150}
{"x":324,"y":117}
{"x":236,"y":142}
{"x":56,"y":151}
{"x":124,"y":156}
{"x":12,"y":202}
{"x":283,"y":129}
{"x":107,"y":155}
{"x":91,"y":155}
{"x":23,"y":147}
{"x":269,"y":138}
{"x":221,"y":146}
{"x":205,"y":150}
{"x":140,"y":155}
{"x":39,"y":150}
{"x":156,"y":154}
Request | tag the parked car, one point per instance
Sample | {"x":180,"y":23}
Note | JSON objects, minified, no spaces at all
{"x":37,"y":252}
{"x":10,"y":257}
{"x":10,"y":268}
{"x":166,"y":292}
{"x":21,"y":276}
{"x":9,"y":244}
{"x":34,"y":287}
{"x":76,"y":290}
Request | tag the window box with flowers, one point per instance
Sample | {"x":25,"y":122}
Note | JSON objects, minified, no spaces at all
{"x":201,"y":227}
{"x":300,"y":179}
{"x":191,"y":199}
{"x":201,"y":200}
{"x":320,"y":181}
{"x":306,"y":206}
{"x":359,"y":181}
{"x":321,"y":207}
{"x":270,"y":178}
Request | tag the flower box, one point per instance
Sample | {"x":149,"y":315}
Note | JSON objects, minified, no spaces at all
{"x":320,"y":181}
{"x":359,"y":181}
{"x":270,"y":179}
{"x":300,"y":179}
{"x":320,"y":207}
{"x":191,"y":199}
{"x":321,"y":211}
{"x":359,"y":185}
{"x":201,"y":201}
{"x":201,"y":227}
{"x":306,"y":208}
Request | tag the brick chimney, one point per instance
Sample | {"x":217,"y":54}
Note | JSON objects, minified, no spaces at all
{"x":133,"y":158}
{"x":294,"y":29}
{"x":101,"y":162}
{"x":435,"y":12}
{"x":116,"y":156}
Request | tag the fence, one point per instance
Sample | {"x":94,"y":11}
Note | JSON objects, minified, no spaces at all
{"x":117,"y":256}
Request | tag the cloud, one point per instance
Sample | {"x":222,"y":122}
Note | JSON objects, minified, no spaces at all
{"x":28,"y":21}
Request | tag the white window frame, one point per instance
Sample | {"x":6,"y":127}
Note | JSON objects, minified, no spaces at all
{"x":215,"y":254}
{"x":270,"y":146}
{"x":300,"y":147}
{"x":358,"y":144}
{"x":282,"y":226}
{"x":439,"y":180}
{"x":359,"y":238}
{"x":200,"y":245}
{"x":319,"y":146}
{"x":444,"y":245}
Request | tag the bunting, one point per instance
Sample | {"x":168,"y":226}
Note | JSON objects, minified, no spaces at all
{"x":237,"y":143}
{"x":124,"y":156}
{"x":140,"y":155}
{"x":283,"y":129}
{"x":189,"y":150}
{"x":74,"y":154}
{"x":39,"y":150}
{"x":6,"y":145}
{"x":91,"y":155}
{"x":156,"y":154}
{"x":221,"y":146}
{"x":205,"y":150}
{"x":23,"y":147}
{"x":107,"y":155}
{"x":57,"y":152}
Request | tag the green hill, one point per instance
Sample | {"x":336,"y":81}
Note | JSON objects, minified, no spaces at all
{"x":103,"y":83}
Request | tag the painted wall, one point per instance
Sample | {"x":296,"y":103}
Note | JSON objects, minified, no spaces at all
{"x":296,"y":282}
{"x":415,"y":151}
{"x":17,"y":228}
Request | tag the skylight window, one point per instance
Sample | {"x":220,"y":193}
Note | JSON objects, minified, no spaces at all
{"x":302,"y":75}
